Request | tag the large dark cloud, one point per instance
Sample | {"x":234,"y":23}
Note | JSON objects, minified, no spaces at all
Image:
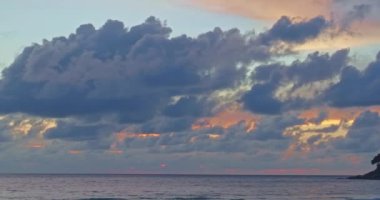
{"x":356,"y":88}
{"x":99,"y":81}
{"x":261,"y":98}
{"x":133,"y":73}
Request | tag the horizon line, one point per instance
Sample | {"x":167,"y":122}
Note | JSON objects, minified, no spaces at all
{"x":166,"y":174}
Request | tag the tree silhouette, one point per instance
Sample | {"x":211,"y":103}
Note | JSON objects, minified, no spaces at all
{"x":376,"y":160}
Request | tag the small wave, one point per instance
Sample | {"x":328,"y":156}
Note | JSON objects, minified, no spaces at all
{"x":103,"y":199}
{"x":191,"y":198}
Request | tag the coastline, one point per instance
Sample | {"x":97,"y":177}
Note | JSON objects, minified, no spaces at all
{"x":372,"y":175}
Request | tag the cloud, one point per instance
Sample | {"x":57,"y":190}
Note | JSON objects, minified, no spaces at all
{"x":232,"y":138}
{"x":273,"y":127}
{"x":138,"y":92}
{"x":228,"y":117}
{"x":167,"y":124}
{"x":271,"y":78}
{"x":188,"y":106}
{"x":363,"y":135}
{"x":358,"y":13}
{"x":4,"y":136}
{"x":131,"y":73}
{"x":267,"y":10}
{"x":294,"y":32}
{"x":356,"y":88}
{"x":77,"y":132}
{"x":354,"y":23}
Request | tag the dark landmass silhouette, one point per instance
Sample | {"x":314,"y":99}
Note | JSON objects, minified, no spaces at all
{"x":373,"y":175}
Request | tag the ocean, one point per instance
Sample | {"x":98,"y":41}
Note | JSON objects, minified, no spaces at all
{"x":184,"y":187}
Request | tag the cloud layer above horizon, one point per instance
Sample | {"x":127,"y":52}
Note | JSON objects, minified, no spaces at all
{"x":139,"y":100}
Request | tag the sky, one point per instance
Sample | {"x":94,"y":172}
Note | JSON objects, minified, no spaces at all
{"x":189,"y":86}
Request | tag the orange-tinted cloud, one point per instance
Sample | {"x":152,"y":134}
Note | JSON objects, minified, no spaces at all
{"x":267,"y":9}
{"x":307,"y":135}
{"x":21,"y":127}
{"x":227,"y":118}
{"x":335,"y":125}
{"x":25,"y":126}
{"x":361,"y":31}
{"x":214,"y":136}
{"x":337,"y":113}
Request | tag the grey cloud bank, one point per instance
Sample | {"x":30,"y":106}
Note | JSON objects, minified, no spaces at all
{"x":96,"y":82}
{"x":133,"y":73}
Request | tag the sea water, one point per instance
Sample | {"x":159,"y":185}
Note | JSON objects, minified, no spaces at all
{"x":181,"y":187}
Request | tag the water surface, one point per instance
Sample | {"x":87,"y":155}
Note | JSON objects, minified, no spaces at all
{"x":80,"y":187}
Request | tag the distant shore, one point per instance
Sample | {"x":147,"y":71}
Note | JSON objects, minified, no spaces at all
{"x":373,"y":175}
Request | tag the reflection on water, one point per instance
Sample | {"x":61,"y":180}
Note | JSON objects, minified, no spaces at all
{"x":171,"y":187}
